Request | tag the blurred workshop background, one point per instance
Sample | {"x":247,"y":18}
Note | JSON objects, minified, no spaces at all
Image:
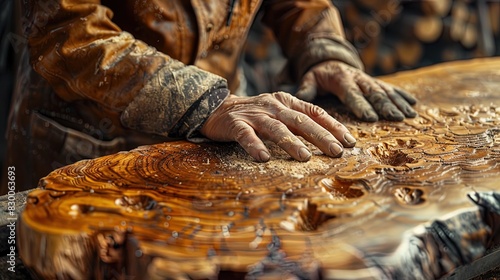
{"x":393,"y":35}
{"x":390,"y":36}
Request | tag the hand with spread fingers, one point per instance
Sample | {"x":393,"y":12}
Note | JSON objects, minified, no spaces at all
{"x":277,"y":117}
{"x":367,"y":97}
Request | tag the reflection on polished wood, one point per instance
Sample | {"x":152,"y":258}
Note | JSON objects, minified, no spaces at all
{"x":406,"y":201}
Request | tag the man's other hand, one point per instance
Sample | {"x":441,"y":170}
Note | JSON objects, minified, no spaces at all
{"x":366,"y":97}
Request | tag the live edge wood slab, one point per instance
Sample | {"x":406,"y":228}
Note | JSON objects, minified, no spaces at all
{"x":413,"y":199}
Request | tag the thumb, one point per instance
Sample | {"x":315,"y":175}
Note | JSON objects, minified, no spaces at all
{"x":308,"y":88}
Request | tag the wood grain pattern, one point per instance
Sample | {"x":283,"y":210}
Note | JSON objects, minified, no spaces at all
{"x":181,"y":210}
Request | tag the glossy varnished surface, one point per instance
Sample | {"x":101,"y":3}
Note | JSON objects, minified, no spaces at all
{"x":207,"y":210}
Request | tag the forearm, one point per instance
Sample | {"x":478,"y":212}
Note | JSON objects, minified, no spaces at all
{"x":77,"y":48}
{"x":309,"y":32}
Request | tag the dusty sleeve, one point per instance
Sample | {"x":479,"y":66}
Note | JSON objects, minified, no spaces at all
{"x":309,"y":32}
{"x":83,"y":55}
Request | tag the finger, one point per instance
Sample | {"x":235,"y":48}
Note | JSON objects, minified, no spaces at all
{"x":352,"y":97}
{"x":308,"y":87}
{"x":303,"y":125}
{"x":406,"y":95}
{"x":359,"y":106}
{"x":402,"y":104}
{"x":383,"y":105}
{"x":275,"y":131}
{"x":321,"y":117}
{"x":380,"y":101}
{"x":245,"y":135}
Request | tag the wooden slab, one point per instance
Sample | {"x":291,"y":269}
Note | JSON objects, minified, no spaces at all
{"x":413,"y":199}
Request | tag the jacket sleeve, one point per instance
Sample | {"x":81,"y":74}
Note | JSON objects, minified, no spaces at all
{"x":83,"y":55}
{"x":309,"y":32}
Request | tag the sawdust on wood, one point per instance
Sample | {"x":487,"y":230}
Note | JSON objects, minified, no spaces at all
{"x":280,"y":162}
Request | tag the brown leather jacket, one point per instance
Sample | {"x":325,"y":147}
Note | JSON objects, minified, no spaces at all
{"x":96,"y":77}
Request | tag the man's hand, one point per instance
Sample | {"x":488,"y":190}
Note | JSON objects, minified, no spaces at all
{"x":277,"y":117}
{"x":366,"y":97}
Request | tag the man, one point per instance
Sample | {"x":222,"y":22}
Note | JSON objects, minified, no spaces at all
{"x":97,"y":77}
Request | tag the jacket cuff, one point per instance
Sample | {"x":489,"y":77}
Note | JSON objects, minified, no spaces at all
{"x":175,"y":102}
{"x":190,"y":124}
{"x":320,"y":50}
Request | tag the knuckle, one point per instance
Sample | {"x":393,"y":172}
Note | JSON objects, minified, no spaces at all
{"x":240,"y":131}
{"x":316,"y":111}
{"x":265,"y":96}
{"x":376,"y":97}
{"x":274,"y":127}
{"x":283,"y":97}
{"x":277,"y":129}
{"x":342,"y":66}
{"x":322,"y":136}
{"x":338,"y":125}
{"x":268,"y":100}
{"x":280,"y":94}
{"x":301,"y":120}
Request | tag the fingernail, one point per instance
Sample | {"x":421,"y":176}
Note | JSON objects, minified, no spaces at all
{"x":410,"y":113}
{"x":264,"y":156}
{"x":370,"y":117}
{"x":349,"y":138}
{"x":336,"y":150}
{"x":304,"y":154}
{"x":395,"y":115}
